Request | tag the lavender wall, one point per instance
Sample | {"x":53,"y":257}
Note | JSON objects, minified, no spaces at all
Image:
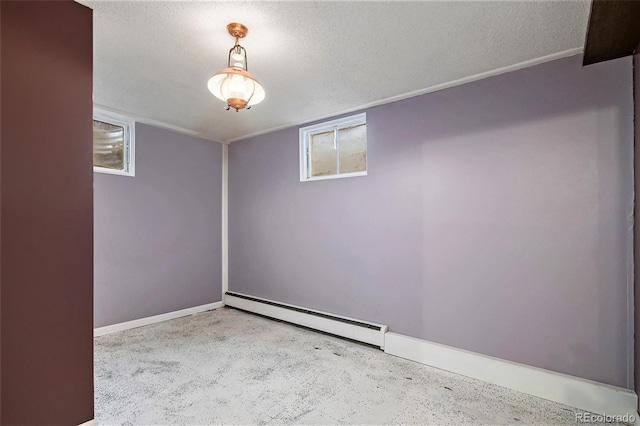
{"x":493,"y":219}
{"x":157,"y":235}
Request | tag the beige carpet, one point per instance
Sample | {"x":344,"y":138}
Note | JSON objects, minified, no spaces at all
{"x":227,"y":366}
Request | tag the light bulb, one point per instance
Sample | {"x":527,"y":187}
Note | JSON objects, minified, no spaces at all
{"x":236,"y":87}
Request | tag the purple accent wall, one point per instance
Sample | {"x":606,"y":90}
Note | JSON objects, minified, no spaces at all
{"x":46,"y":235}
{"x":158,"y":234}
{"x":495,"y":218}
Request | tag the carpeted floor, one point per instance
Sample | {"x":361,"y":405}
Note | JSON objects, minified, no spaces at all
{"x":227,"y":366}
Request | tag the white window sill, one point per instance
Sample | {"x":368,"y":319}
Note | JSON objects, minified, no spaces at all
{"x":340,"y":176}
{"x":112,"y":172}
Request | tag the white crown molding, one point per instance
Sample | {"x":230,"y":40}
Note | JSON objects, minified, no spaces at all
{"x":464,"y":80}
{"x":157,"y":123}
{"x":435,"y":88}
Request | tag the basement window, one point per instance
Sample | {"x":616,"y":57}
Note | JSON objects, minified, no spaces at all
{"x":113,"y":143}
{"x":334,"y":149}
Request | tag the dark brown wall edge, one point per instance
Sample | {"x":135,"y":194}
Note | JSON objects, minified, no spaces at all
{"x":0,"y":217}
{"x":614,"y":30}
{"x":46,"y":205}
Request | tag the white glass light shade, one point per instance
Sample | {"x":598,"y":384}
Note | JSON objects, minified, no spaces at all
{"x":237,"y":87}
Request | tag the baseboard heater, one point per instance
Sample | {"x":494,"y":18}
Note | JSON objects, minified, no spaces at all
{"x":349,"y":328}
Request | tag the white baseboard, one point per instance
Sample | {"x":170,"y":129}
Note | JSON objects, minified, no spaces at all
{"x":591,"y":396}
{"x":101,"y":331}
{"x":322,"y":323}
{"x":92,"y":422}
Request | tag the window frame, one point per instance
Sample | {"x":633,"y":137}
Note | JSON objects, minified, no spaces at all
{"x":129,"y":126}
{"x":305,"y":155}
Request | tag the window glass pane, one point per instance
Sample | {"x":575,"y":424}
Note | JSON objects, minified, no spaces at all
{"x":323,"y":154}
{"x":353,"y":148}
{"x":108,"y":145}
{"x":334,"y":149}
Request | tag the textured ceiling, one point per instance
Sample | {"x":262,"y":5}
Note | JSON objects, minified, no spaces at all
{"x":152,"y":59}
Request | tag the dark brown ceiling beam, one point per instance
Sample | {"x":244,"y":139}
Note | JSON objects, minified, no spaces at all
{"x":613,"y":31}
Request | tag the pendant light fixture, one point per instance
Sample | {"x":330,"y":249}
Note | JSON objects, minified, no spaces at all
{"x":234,"y":84}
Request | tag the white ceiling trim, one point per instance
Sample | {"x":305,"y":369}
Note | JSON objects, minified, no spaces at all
{"x":315,"y":58}
{"x":465,"y":80}
{"x":156,"y":123}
